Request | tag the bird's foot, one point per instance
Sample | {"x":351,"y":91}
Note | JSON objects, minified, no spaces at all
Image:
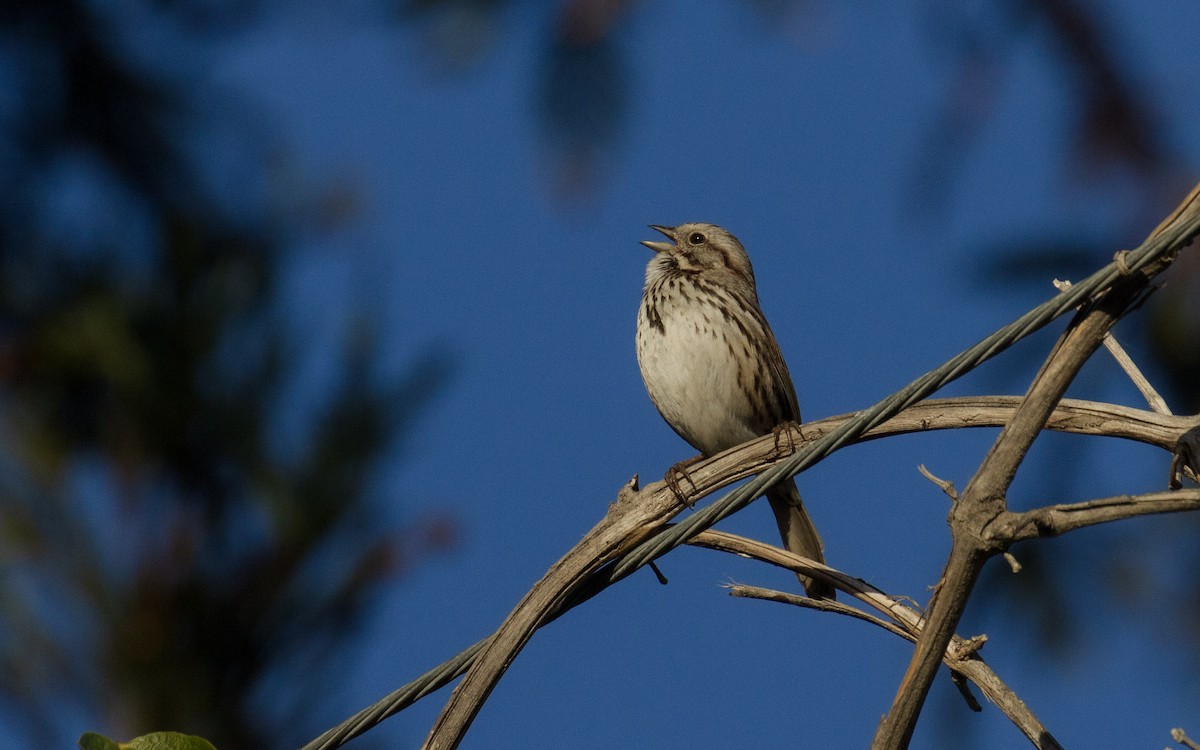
{"x":783,"y":437}
{"x":675,"y":477}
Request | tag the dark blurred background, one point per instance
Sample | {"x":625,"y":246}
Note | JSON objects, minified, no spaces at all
{"x":220,"y":334}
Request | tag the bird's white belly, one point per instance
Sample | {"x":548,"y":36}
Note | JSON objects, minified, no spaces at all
{"x":693,"y":379}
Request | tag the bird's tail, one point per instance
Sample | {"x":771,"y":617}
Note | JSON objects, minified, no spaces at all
{"x":799,"y":534}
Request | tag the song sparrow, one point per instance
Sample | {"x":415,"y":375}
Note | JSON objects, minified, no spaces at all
{"x":711,"y":363}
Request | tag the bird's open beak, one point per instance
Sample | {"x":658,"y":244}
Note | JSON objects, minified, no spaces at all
{"x":661,"y":247}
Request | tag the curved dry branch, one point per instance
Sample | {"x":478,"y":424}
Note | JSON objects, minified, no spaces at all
{"x":638,"y":514}
{"x":628,"y":521}
{"x":1070,"y":415}
{"x":641,"y":514}
{"x":961,"y":656}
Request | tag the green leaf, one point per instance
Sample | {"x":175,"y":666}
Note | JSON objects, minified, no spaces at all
{"x":93,"y":741}
{"x":152,"y":741}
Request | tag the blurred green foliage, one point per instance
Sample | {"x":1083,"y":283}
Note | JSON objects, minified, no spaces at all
{"x":153,"y":741}
{"x":162,"y":561}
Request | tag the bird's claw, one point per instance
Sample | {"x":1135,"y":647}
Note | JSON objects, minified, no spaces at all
{"x":676,"y":475}
{"x":783,"y":434}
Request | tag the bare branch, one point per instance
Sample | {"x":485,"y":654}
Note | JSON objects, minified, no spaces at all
{"x":908,"y":618}
{"x":1053,"y":520}
{"x":961,"y":656}
{"x":981,"y":502}
{"x":743,"y":591}
{"x":1070,"y":415}
{"x":984,"y":498}
{"x":616,"y":533}
{"x":629,"y":520}
{"x":709,"y":475}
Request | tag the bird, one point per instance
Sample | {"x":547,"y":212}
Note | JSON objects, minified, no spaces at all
{"x":712,"y":366}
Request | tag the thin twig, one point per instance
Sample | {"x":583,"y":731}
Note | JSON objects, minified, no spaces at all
{"x":744,"y":591}
{"x":1156,"y":401}
{"x":1140,"y":381}
{"x":1013,"y":564}
{"x":962,"y":655}
{"x":945,"y":485}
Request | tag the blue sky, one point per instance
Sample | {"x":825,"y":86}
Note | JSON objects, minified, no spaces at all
{"x":805,"y":138}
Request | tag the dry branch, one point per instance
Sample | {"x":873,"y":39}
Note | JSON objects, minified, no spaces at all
{"x":980,"y":504}
{"x":641,"y":514}
{"x":1053,"y":520}
{"x":983,"y":501}
{"x":962,"y":655}
{"x":652,"y":507}
{"x":627,"y":522}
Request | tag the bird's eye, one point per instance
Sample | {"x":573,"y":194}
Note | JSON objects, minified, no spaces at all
{"x":696,"y":238}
